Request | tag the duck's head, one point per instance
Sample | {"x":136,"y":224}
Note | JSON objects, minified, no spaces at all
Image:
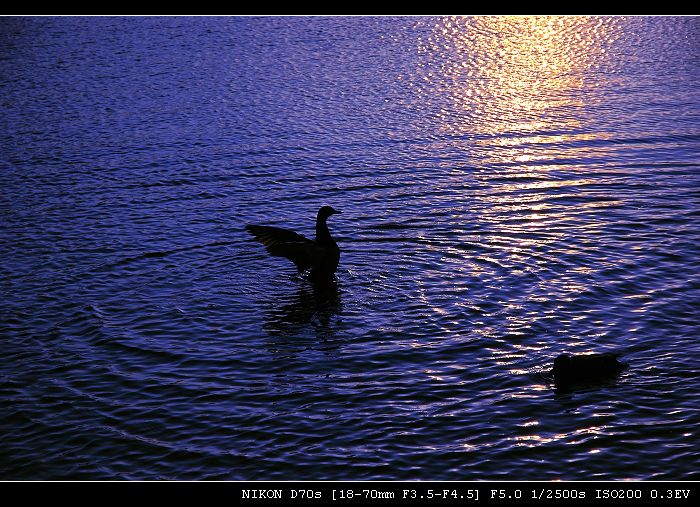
{"x":562,"y":362}
{"x":327,"y":211}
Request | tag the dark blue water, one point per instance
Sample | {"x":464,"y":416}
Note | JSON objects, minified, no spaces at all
{"x":511,"y":189}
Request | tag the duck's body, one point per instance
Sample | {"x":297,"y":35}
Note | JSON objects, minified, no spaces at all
{"x":320,"y":257}
{"x":586,"y":368}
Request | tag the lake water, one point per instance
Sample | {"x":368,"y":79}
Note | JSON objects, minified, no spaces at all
{"x":511,"y":189}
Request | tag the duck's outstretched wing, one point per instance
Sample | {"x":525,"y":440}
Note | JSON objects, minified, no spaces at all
{"x":285,"y":243}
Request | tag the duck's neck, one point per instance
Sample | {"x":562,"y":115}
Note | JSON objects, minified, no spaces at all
{"x":323,"y":235}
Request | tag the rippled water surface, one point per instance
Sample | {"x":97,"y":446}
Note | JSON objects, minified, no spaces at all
{"x":511,"y":189}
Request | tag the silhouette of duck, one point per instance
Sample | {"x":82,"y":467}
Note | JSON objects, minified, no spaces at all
{"x":319,"y":257}
{"x":586,"y":368}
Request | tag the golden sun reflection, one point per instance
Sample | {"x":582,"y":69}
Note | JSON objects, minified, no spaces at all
{"x":517,"y":101}
{"x":504,"y":73}
{"x":518,"y":92}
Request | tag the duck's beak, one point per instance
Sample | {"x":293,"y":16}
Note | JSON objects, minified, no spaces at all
{"x":336,"y":212}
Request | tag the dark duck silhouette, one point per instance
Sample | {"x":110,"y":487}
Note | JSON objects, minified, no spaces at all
{"x":586,"y":368}
{"x":320,"y":257}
